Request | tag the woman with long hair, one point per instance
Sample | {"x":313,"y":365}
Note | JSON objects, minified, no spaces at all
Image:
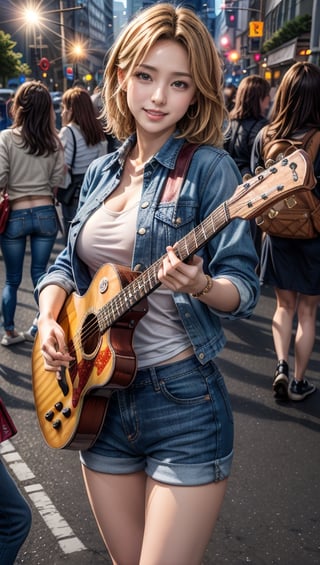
{"x":83,"y":139}
{"x":292,"y":266}
{"x":31,"y":167}
{"x":246,"y":119}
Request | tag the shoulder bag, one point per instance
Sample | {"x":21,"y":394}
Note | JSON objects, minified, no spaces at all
{"x":4,"y":210}
{"x":7,"y":427}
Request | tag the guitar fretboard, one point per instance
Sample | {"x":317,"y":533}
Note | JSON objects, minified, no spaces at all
{"x":148,"y":280}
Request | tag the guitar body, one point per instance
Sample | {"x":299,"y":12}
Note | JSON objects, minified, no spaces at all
{"x":71,"y":411}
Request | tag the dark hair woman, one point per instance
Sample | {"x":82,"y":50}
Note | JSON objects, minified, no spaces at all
{"x":246,"y":119}
{"x":31,"y":167}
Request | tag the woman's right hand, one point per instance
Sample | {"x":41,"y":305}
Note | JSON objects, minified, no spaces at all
{"x":53,"y":345}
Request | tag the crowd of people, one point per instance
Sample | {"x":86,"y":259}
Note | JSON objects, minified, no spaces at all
{"x":161,"y":93}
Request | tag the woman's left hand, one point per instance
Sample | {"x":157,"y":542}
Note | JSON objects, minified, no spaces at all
{"x":182,"y":277}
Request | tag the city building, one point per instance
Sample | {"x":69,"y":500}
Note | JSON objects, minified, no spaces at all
{"x":266,"y":37}
{"x":73,"y":36}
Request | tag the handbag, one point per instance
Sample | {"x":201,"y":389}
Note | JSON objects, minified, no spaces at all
{"x":4,"y":210}
{"x":7,"y":427}
{"x":66,"y":195}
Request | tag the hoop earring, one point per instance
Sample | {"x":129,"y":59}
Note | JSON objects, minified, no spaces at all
{"x":192,"y":112}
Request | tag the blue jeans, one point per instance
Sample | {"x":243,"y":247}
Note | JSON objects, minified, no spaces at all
{"x":40,"y":224}
{"x":174,"y":422}
{"x":15,"y":518}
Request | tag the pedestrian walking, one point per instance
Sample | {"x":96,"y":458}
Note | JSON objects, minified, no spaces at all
{"x":31,"y":167}
{"x":15,"y":518}
{"x":83,"y":139}
{"x":292,"y":265}
{"x":157,"y":475}
{"x":247,"y":118}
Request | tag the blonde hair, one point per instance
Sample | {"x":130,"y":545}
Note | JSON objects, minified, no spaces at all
{"x":203,"y":121}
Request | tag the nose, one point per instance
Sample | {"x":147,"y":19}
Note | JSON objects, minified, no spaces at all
{"x":159,"y":97}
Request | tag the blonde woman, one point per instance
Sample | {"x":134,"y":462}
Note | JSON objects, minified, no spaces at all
{"x":157,"y":474}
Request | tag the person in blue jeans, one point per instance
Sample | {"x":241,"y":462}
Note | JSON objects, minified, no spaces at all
{"x":31,"y":167}
{"x":15,"y":518}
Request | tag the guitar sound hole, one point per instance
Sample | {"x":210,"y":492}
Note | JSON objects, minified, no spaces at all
{"x":90,"y":335}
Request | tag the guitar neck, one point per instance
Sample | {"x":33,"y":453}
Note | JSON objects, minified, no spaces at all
{"x":148,"y":280}
{"x":291,"y":174}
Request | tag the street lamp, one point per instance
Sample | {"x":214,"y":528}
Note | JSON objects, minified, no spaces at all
{"x":35,"y":17}
{"x":31,"y":16}
{"x":78,"y":52}
{"x":32,"y":20}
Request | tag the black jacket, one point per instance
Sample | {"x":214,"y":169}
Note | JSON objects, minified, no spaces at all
{"x":239,"y":141}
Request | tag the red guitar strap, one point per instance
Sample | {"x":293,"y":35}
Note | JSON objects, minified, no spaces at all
{"x":175,"y":179}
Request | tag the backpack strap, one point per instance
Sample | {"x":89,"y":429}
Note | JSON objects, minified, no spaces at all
{"x":311,"y":143}
{"x":74,"y":147}
{"x":175,"y":179}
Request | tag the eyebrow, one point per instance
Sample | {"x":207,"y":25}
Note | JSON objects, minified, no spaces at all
{"x":175,"y":73}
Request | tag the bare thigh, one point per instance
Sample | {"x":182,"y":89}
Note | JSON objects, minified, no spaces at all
{"x":143,"y":522}
{"x":118,"y":503}
{"x":179,"y":522}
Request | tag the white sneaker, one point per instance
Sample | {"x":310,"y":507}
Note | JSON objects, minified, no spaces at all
{"x":11,"y":340}
{"x":30,"y":334}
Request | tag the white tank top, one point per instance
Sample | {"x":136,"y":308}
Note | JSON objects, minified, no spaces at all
{"x":109,"y":237}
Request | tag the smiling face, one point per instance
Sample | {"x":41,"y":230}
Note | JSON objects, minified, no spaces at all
{"x":160,"y":90}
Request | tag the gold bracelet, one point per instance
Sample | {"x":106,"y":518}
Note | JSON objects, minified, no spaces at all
{"x":206,"y":288}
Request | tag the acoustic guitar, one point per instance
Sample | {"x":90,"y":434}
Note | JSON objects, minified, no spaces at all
{"x":99,"y":325}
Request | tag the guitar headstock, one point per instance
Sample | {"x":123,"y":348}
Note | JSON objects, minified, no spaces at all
{"x":293,"y":173}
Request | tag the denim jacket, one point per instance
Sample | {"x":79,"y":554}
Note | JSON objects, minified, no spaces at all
{"x":211,"y":179}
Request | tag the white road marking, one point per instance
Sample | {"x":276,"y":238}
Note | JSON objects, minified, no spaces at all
{"x":66,"y":539}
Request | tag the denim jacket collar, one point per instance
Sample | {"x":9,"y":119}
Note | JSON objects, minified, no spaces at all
{"x":166,"y":156}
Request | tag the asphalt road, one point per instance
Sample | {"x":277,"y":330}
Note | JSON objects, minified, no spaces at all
{"x":271,"y":511}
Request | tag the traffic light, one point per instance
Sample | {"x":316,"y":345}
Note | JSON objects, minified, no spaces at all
{"x":233,"y":56}
{"x":225,"y":42}
{"x":254,"y":45}
{"x":231,"y":18}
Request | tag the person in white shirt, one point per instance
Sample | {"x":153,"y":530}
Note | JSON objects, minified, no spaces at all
{"x":84,"y":140}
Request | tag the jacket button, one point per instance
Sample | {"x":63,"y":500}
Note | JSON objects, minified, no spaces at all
{"x":201,"y":356}
{"x":142,"y":231}
{"x":145,"y":204}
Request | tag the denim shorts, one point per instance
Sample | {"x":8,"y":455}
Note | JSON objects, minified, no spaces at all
{"x":174,"y":422}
